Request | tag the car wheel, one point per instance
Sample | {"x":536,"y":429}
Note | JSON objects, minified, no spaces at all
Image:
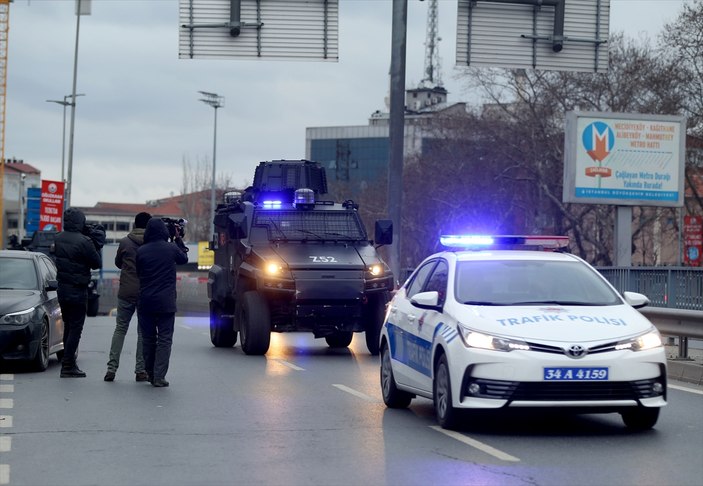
{"x":340,"y":339}
{"x":442,"y":394}
{"x":255,"y":322}
{"x":41,"y":360}
{"x":93,"y":306}
{"x":640,"y":418}
{"x":374,"y":312}
{"x":392,"y":397}
{"x":222,"y":333}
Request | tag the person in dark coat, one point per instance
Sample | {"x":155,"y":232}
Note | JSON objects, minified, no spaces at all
{"x":75,"y":255}
{"x":126,"y":261}
{"x":156,"y":307}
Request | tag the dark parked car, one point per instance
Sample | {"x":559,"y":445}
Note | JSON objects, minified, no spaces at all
{"x":31,"y":327}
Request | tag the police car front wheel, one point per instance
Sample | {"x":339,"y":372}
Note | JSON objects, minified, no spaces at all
{"x":392,"y":397}
{"x":447,"y":415}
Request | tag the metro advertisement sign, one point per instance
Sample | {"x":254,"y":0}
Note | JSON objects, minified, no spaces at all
{"x":693,"y":241}
{"x":624,"y":159}
{"x":51,"y":206}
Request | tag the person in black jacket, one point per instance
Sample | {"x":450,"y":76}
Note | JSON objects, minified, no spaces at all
{"x":75,"y":255}
{"x":156,"y":307}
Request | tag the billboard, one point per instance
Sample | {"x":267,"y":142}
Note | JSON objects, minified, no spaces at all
{"x":624,"y":159}
{"x":51,"y":206}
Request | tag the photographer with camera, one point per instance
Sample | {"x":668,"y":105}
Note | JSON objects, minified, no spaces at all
{"x":156,"y":306}
{"x":126,"y":261}
{"x":75,"y":254}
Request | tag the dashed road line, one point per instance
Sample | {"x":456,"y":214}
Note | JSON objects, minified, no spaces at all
{"x":7,"y":376}
{"x":4,"y":474}
{"x":351,"y":391}
{"x":7,"y":403}
{"x":5,"y":443}
{"x":7,"y":388}
{"x":686,"y":389}
{"x":503,"y":456}
{"x":5,"y":421}
{"x":288,"y":364}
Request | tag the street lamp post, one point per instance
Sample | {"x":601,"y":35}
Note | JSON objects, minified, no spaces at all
{"x":216,"y":102}
{"x":65,"y":103}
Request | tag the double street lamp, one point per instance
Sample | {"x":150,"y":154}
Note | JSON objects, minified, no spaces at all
{"x":216,"y":102}
{"x":64,"y":103}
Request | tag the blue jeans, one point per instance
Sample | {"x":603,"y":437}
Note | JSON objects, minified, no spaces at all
{"x":125,"y":311}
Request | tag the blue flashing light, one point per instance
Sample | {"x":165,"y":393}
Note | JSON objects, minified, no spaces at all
{"x":272,"y":204}
{"x":466,"y":240}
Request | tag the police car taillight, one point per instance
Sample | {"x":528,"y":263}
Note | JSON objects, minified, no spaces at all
{"x":476,"y":242}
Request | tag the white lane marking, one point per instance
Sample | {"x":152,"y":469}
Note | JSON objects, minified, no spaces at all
{"x":7,"y":403}
{"x":503,"y":456}
{"x":686,"y":389}
{"x":6,"y":377}
{"x":288,"y":364}
{"x":7,"y":388}
{"x":186,"y":327}
{"x":5,"y":443}
{"x":5,"y":421}
{"x":4,"y":474}
{"x":351,"y":391}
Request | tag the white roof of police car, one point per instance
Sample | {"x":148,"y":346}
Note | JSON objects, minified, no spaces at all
{"x":469,"y":255}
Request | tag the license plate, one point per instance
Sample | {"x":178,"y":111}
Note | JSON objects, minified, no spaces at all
{"x":575,"y":374}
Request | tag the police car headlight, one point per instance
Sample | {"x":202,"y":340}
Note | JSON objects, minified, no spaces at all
{"x":474,"y":339}
{"x":649,"y":340}
{"x":18,"y":318}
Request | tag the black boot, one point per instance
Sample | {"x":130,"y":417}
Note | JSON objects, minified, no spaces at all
{"x":71,"y":370}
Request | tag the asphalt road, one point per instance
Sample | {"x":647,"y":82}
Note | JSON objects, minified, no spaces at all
{"x":305,"y":415}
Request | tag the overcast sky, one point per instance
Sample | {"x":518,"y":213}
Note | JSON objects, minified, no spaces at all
{"x":140,"y":116}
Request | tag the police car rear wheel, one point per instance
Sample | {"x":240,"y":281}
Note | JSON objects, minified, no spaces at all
{"x":255,"y":322}
{"x":222,"y":333}
{"x":340,"y":339}
{"x":447,"y":415}
{"x":640,"y":418}
{"x":392,"y":397}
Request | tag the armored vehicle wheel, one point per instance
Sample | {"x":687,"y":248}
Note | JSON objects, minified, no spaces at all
{"x":373,"y":315}
{"x":222,"y":333}
{"x":255,"y":321}
{"x":340,"y":339}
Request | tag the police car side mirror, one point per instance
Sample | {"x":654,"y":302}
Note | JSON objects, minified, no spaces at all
{"x":426,"y":300}
{"x":237,"y":226}
{"x":383,"y":232}
{"x":51,"y":285}
{"x":636,"y":300}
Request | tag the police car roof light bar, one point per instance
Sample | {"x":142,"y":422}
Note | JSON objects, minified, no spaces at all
{"x":504,"y":241}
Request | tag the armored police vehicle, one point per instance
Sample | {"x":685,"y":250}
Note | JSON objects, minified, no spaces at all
{"x":286,"y":261}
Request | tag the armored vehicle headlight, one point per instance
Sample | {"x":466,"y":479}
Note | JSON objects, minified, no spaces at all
{"x":273,"y":268}
{"x":376,"y":269}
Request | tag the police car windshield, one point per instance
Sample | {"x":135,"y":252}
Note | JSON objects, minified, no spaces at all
{"x":531,"y":282}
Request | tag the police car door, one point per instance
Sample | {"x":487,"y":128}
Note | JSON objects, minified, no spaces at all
{"x":408,"y":351}
{"x":430,"y":319}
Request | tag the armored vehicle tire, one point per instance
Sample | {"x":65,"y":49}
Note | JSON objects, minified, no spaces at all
{"x":373,"y":314}
{"x":255,"y":323}
{"x":222,"y":333}
{"x":392,"y":397}
{"x":340,"y":339}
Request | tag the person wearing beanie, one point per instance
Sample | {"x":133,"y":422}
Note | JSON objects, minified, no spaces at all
{"x":126,"y":261}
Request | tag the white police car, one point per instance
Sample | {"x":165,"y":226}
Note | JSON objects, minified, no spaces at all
{"x":494,"y":328}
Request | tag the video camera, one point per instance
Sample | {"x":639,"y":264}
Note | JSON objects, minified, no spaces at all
{"x":176,"y":229}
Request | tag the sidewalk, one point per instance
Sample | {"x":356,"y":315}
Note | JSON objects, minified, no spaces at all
{"x":690,"y":370}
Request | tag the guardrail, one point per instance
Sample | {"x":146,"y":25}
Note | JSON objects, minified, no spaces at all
{"x":681,"y":323}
